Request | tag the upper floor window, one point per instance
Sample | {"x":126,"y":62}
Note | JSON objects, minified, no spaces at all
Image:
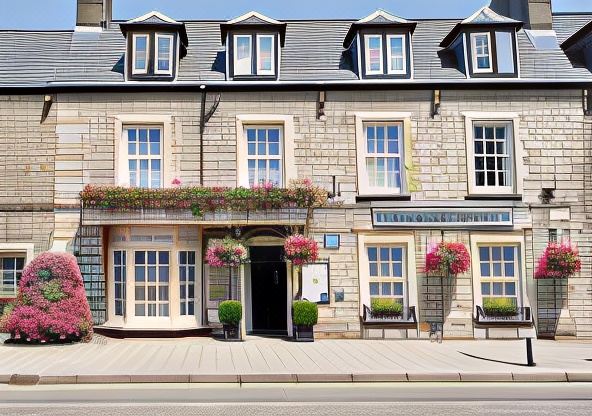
{"x":265,"y":155}
{"x":164,"y":54}
{"x":493,"y":156}
{"x":382,"y":157}
{"x":385,"y":54}
{"x":140,"y":54}
{"x":144,"y":156}
{"x":481,"y":52}
{"x":254,"y":54}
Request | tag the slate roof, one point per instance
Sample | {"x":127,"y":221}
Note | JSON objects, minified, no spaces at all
{"x":313,"y":52}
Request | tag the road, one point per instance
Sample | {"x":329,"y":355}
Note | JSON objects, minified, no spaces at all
{"x":382,"y":399}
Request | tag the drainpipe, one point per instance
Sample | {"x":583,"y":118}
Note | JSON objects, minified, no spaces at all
{"x":202,"y":126}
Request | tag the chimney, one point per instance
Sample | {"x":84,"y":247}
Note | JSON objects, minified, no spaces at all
{"x":536,"y":14}
{"x":94,"y":13}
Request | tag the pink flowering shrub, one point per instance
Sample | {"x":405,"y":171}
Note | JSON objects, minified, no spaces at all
{"x":226,"y":253}
{"x":448,"y":258}
{"x":300,"y":249}
{"x":51,"y":305}
{"x":559,"y":261}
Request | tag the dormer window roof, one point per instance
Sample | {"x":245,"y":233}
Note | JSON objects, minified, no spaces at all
{"x":155,"y":44}
{"x":381,"y":46}
{"x":578,"y":47}
{"x":253,"y":46}
{"x":489,"y":40}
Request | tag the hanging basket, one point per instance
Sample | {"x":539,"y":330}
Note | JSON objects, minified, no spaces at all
{"x":300,"y":250}
{"x":448,"y":259}
{"x":558,"y":261}
{"x":226,"y":253}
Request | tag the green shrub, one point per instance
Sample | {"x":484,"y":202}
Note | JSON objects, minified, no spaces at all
{"x":230,"y":312}
{"x":386,"y":307}
{"x":500,"y":307}
{"x":44,"y":274}
{"x":305,"y":313}
{"x":52,"y":291}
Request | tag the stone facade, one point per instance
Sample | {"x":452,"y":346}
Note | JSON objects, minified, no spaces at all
{"x":45,"y":165}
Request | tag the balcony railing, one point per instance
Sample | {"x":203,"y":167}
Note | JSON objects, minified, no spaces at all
{"x":522,"y":319}
{"x":107,"y":216}
{"x":407,"y":319}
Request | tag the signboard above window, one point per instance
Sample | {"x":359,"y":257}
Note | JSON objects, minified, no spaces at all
{"x":442,"y":217}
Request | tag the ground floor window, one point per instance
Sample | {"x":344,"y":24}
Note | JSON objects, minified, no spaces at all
{"x":119,"y":279}
{"x":151,"y":272}
{"x":499,"y":271}
{"x":11,"y":269}
{"x":387,"y":274}
{"x":187,"y":282}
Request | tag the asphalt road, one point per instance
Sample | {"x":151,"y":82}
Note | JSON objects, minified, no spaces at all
{"x":366,"y":399}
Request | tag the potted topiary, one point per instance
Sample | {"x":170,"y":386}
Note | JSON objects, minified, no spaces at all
{"x":386,"y":308}
{"x":500,"y":307}
{"x":230,"y":313}
{"x":305,"y":315}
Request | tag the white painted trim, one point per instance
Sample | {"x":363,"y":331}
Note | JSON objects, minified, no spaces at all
{"x":171,"y":39}
{"x":476,"y":69}
{"x":253,"y":13}
{"x":383,"y":13}
{"x":272,"y":70}
{"x":362,"y":176}
{"x":406,"y":240}
{"x":153,"y":13}
{"x":466,"y":55}
{"x":136,"y":71}
{"x":359,"y":53}
{"x":518,"y":170}
{"x":367,"y":55}
{"x":389,"y":54}
{"x":287,"y":122}
{"x":235,"y":54}
{"x":480,"y":239}
{"x":165,"y":121}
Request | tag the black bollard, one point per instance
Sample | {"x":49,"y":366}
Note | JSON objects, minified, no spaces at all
{"x":529,"y":358}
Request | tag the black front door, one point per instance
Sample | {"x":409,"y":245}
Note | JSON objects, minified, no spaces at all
{"x":269,"y":290}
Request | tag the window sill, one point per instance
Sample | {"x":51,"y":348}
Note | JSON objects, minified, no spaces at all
{"x":494,"y":197}
{"x":367,"y":198}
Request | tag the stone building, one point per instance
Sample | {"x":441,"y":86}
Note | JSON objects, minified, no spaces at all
{"x":475,"y":131}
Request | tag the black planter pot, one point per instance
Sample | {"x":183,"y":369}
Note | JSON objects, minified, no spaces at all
{"x":303,"y":333}
{"x":232,"y":332}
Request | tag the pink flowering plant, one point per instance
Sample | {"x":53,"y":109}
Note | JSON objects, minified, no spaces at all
{"x":447,"y":258}
{"x":559,"y":261}
{"x":226,"y":253}
{"x":51,"y":305}
{"x":299,"y":194}
{"x":301,"y":250}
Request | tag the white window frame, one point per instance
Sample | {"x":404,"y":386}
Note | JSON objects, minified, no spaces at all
{"x":9,"y":249}
{"x":367,"y":55}
{"x":171,"y":38}
{"x":4,"y":293}
{"x":390,"y":70}
{"x":474,"y":55}
{"x":388,"y":279}
{"x":406,"y":240}
{"x":123,"y":270}
{"x":148,"y":157}
{"x":236,"y":71}
{"x":135,"y":70}
{"x":272,"y":70}
{"x":156,"y":284}
{"x":186,"y":283}
{"x":509,"y":153}
{"x":287,"y":144}
{"x":500,"y":279}
{"x":267,"y":157}
{"x":518,"y":170}
{"x":364,"y":187}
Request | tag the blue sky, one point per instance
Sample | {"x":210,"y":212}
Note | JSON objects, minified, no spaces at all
{"x":61,"y":14}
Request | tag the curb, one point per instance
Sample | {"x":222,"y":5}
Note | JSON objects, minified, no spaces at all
{"x":414,"y":377}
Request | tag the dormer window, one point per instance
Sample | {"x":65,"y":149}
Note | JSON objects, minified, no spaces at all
{"x":155,"y":44}
{"x":489,"y":41}
{"x":253,"y":46}
{"x":481,"y":52}
{"x":381,"y":45}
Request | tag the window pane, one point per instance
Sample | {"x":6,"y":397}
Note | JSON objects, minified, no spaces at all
{"x":498,"y":289}
{"x":164,"y":53}
{"x":374,"y":53}
{"x":484,"y":253}
{"x":141,"y":43}
{"x":509,"y":253}
{"x":509,"y":269}
{"x":398,"y":289}
{"x":372,"y":254}
{"x":265,"y":53}
{"x":505,"y":52}
{"x":140,"y":257}
{"x":384,"y":254}
{"x":163,"y":257}
{"x":140,"y":311}
{"x":396,"y":45}
{"x":485,"y":269}
{"x":397,"y":270}
{"x":496,"y":253}
{"x":384,"y":270}
{"x":154,"y":142}
{"x":386,"y":289}
{"x":374,"y":289}
{"x":251,"y":163}
{"x":274,"y":172}
{"x":485,"y":287}
{"x":497,"y":270}
{"x":397,"y":254}
{"x":242,"y":60}
{"x":511,"y":289}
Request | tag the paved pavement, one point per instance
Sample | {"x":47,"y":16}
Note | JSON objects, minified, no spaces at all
{"x":276,"y":360}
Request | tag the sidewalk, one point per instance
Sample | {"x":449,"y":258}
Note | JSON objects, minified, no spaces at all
{"x":262,"y":360}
